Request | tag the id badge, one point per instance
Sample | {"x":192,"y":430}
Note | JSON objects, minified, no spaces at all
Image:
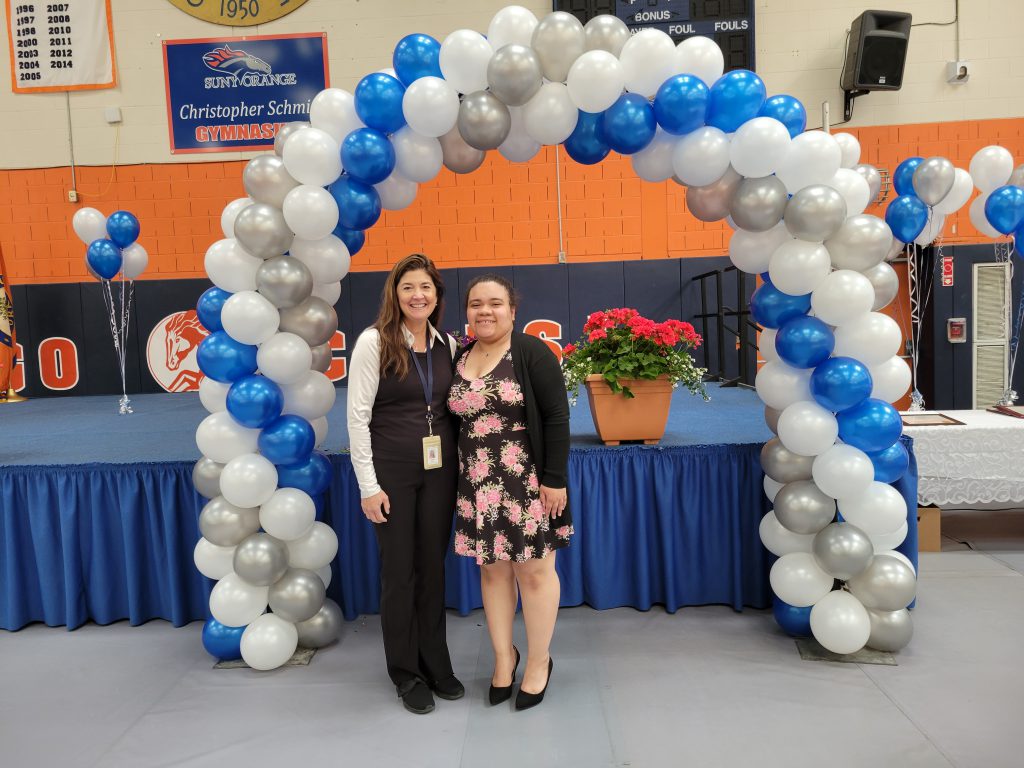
{"x":432,"y":452}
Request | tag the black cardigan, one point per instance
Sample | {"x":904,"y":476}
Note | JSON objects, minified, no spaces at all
{"x":547,"y":406}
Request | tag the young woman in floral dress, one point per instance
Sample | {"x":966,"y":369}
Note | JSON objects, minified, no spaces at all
{"x":511,"y":513}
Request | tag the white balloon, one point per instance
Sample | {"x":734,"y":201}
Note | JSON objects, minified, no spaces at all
{"x":648,"y":59}
{"x":766,"y":344}
{"x":842,"y":471}
{"x":396,"y":192}
{"x":518,"y":146}
{"x":798,"y":579}
{"x":550,"y":116}
{"x":418,"y":158}
{"x":213,"y":394}
{"x":807,"y":429}
{"x":268,"y":642}
{"x":771,"y":488}
{"x":932,"y":230}
{"x":329,"y":292}
{"x":312,"y":157}
{"x":512,"y":24}
{"x":991,"y":167}
{"x":813,"y":157}
{"x":235,"y":603}
{"x":871,"y":338}
{"x":333,"y":111}
{"x":310,"y":397}
{"x":757,"y":146}
{"x":882,"y":542}
{"x":288,"y":514}
{"x":779,"y":385}
{"x":701,"y":156}
{"x":134,"y":261}
{"x":325,"y":575}
{"x":212,"y":561}
{"x":315,"y":549}
{"x":854,"y":189}
{"x":797,"y":267}
{"x":880,"y":509}
{"x":841,"y":297}
{"x":221,"y":438}
{"x":899,"y":556}
{"x":702,"y":57}
{"x":285,"y":358}
{"x":249,"y":317}
{"x":840,"y":623}
{"x":464,"y":57}
{"x":431,"y":106}
{"x":231,"y":211}
{"x":782,"y":541}
{"x":890,"y":379}
{"x":310,"y":212}
{"x":328,"y":259}
{"x":248,"y":480}
{"x":752,"y":251}
{"x":963,"y":188}
{"x":654,"y":162}
{"x":849,"y":148}
{"x":980,"y":220}
{"x":595,"y":81}
{"x":320,"y":427}
{"x":230,"y":267}
{"x":89,"y":224}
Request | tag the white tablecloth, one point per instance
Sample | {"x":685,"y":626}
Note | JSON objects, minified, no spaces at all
{"x":981,"y":462}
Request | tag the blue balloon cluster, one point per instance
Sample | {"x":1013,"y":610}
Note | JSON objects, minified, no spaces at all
{"x":804,"y":342}
{"x":104,"y":255}
{"x":223,"y":359}
{"x":209,"y":307}
{"x":359,"y":204}
{"x":311,"y":475}
{"x":586,"y":143}
{"x":840,"y":383}
{"x":787,"y":110}
{"x":287,"y":440}
{"x":255,"y":401}
{"x":368,"y":156}
{"x":772,"y":308}
{"x":907,"y":217}
{"x":378,"y":100}
{"x":1004,"y":208}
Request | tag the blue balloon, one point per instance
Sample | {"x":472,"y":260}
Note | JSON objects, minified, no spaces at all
{"x":772,"y":308}
{"x":255,"y":401}
{"x":628,"y":125}
{"x":417,"y":56}
{"x":795,"y":622}
{"x":123,"y":228}
{"x":890,"y":464}
{"x":222,"y":642}
{"x":379,"y":102}
{"x":840,"y":383}
{"x":804,"y":342}
{"x":1004,"y":208}
{"x":906,"y":217}
{"x":681,"y":104}
{"x":368,"y":156}
{"x":209,"y":306}
{"x":352,"y":238}
{"x":903,"y":177}
{"x":104,"y":258}
{"x":872,"y":425}
{"x":358,"y":203}
{"x":736,"y":97}
{"x":787,"y":110}
{"x":584,"y":144}
{"x":288,"y":439}
{"x":224,"y":359}
{"x":312,"y":475}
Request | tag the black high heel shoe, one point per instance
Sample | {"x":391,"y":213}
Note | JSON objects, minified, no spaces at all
{"x":526,"y":700}
{"x":497,"y":694}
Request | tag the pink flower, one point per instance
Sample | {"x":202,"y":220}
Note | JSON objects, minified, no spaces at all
{"x":476,"y":385}
{"x":461,"y":544}
{"x":493,"y":496}
{"x":530,"y":526}
{"x":500,"y":541}
{"x":457,"y":405}
{"x":481,"y":501}
{"x":509,"y":392}
{"x":515,"y":513}
{"x":536,"y":510}
{"x":532,"y":483}
{"x":503,"y":555}
{"x":475,"y":401}
{"x":563,"y":531}
{"x":518,"y":468}
{"x":465,"y":508}
{"x":481,"y":454}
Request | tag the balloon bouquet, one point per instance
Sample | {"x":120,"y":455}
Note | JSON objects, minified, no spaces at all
{"x":113,"y":251}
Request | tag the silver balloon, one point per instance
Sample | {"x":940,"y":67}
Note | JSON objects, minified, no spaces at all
{"x":266,"y":180}
{"x":514,"y":75}
{"x":558,"y":40}
{"x":711,"y":202}
{"x":298,"y":595}
{"x":860,"y":243}
{"x":885,"y":282}
{"x":801,"y":507}
{"x":815,"y":213}
{"x":458,"y":156}
{"x":887,"y":584}
{"x":758,"y":204}
{"x":933,"y":179}
{"x":261,"y":559}
{"x":873,"y":178}
{"x":284,"y":281}
{"x":224,"y":524}
{"x":890,"y":630}
{"x":284,"y":132}
{"x":771,"y":418}
{"x":322,"y":357}
{"x":262,"y":231}
{"x":484,"y":122}
{"x":782,"y":465}
{"x":896,"y":249}
{"x":313,"y":320}
{"x":206,"y":477}
{"x":606,"y":33}
{"x":323,"y":629}
{"x":1017,"y":177}
{"x":842,"y":550}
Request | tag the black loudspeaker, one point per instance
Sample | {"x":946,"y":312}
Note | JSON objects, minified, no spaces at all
{"x":875,"y":54}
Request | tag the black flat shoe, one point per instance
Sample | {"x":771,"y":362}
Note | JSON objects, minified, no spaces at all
{"x":526,"y":700}
{"x":416,"y":697}
{"x":497,"y":694}
{"x":449,"y":688}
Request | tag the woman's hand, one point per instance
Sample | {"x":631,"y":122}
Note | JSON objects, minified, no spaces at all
{"x":376,"y":507}
{"x":554,"y":500}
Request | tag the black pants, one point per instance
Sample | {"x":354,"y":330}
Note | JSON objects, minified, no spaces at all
{"x":412,"y":545}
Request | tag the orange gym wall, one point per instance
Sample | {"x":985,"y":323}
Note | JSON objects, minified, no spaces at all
{"x":501,"y":214}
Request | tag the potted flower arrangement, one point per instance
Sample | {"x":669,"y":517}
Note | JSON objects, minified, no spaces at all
{"x":630,"y":365}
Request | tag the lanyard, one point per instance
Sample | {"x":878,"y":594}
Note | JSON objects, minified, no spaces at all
{"x":427,"y":381}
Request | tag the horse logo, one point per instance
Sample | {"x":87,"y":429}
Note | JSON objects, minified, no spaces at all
{"x":234,"y":63}
{"x":171,"y":351}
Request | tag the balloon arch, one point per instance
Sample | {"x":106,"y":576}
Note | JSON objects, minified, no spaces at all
{"x":796,"y":199}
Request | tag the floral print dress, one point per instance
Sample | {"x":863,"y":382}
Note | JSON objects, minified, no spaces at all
{"x":499,"y":515}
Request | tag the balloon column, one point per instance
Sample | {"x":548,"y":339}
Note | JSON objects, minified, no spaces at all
{"x":112,"y":252}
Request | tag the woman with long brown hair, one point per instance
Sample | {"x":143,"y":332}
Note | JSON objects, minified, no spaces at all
{"x":405,"y":456}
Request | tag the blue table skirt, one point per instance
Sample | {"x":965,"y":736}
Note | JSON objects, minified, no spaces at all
{"x":674,"y":526}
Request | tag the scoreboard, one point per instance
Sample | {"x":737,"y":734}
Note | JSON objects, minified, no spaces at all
{"x":730,"y":23}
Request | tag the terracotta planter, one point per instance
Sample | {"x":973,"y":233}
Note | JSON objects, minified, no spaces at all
{"x":619,"y":418}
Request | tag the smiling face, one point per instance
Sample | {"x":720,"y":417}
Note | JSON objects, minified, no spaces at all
{"x":489,"y":312}
{"x":417,"y":295}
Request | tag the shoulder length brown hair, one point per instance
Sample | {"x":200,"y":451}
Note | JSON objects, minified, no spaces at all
{"x":393,"y":357}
